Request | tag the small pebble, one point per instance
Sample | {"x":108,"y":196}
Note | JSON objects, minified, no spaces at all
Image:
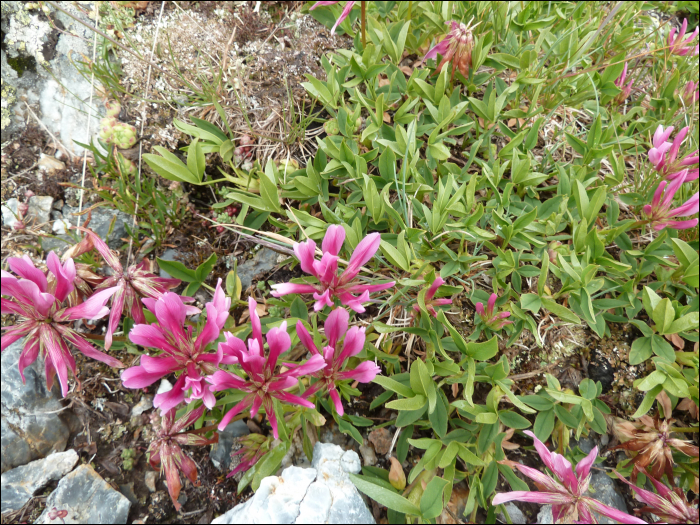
{"x":150,"y":480}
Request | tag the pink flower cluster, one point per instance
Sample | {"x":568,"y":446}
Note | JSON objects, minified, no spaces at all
{"x":682,"y":47}
{"x":664,"y":154}
{"x":626,"y":89}
{"x":492,"y":320}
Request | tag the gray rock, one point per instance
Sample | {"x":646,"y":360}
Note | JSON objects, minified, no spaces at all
{"x":603,"y":489}
{"x":88,"y":499}
{"x":20,"y":484}
{"x":146,"y":403}
{"x":150,"y":479}
{"x":516,"y":515}
{"x":40,"y":209}
{"x":31,"y":426}
{"x":221,"y":452}
{"x":100,"y":223}
{"x":368,"y":454}
{"x":586,"y":444}
{"x":10,"y":212}
{"x":321,"y":494}
{"x":262,"y":262}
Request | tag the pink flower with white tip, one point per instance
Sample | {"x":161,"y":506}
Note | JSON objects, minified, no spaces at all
{"x":492,"y":322}
{"x":332,"y":285}
{"x":335,"y":356}
{"x":681,"y":47}
{"x":263,"y":383}
{"x":430,"y":302}
{"x":343,"y":15}
{"x":659,"y":211}
{"x":45,"y":321}
{"x":663,"y":155}
{"x":565,"y":489}
{"x":183,"y":351}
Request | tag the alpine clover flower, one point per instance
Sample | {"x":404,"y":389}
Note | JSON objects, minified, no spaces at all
{"x":456,"y":47}
{"x":165,"y":451}
{"x":343,"y":15}
{"x":652,"y":440}
{"x":663,"y":155}
{"x":331,"y":284}
{"x":670,"y":505}
{"x":182,"y":350}
{"x":659,"y":212}
{"x":431,"y":303}
{"x":626,"y":89}
{"x":565,"y":490}
{"x":681,"y":47}
{"x":132,"y":284}
{"x":335,"y":327}
{"x":492,"y":322}
{"x":263,"y":384}
{"x":45,"y":320}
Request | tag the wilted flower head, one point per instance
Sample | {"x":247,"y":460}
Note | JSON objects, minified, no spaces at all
{"x":183,"y":351}
{"x":45,"y":320}
{"x":132,"y":284}
{"x":262,"y":383}
{"x":659,"y":211}
{"x":626,"y":89}
{"x":690,"y":93}
{"x":565,"y":490}
{"x":670,"y":505}
{"x":652,"y":439}
{"x":431,"y":303}
{"x":493,"y":322}
{"x":335,"y":327}
{"x":678,"y":45}
{"x":165,"y":451}
{"x":331,"y":284}
{"x":456,"y":47}
{"x":253,"y":447}
{"x":663,"y":155}
{"x":343,"y":15}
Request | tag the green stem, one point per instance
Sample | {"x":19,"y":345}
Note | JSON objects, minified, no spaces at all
{"x":364,"y":23}
{"x":689,"y":430}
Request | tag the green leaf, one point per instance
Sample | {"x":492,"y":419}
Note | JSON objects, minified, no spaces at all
{"x":469,"y":457}
{"x":684,"y":324}
{"x":393,"y":385}
{"x":565,"y":416}
{"x":663,"y":315}
{"x":662,"y":348}
{"x":347,"y":428}
{"x":195,"y":160}
{"x":640,"y":350}
{"x":269,"y":464}
{"x":544,"y":424}
{"x":204,"y":269}
{"x":438,"y":417}
{"x":169,"y":169}
{"x":563,"y":397}
{"x":587,"y":388}
{"x":431,"y":502}
{"x":428,"y":384}
{"x":384,"y":496}
{"x":177,"y":270}
{"x":530,"y":301}
{"x":648,"y":400}
{"x":483,"y":351}
{"x":409,"y":403}
{"x":560,"y":311}
{"x":513,"y":420}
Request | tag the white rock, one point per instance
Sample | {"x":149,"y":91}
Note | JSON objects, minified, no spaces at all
{"x":164,"y":386}
{"x":9,"y":213}
{"x":60,"y":226}
{"x":146,"y":403}
{"x":49,"y":163}
{"x":40,"y":208}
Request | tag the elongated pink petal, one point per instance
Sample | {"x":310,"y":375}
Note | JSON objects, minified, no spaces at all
{"x":237,"y":409}
{"x":531,"y":497}
{"x":480,"y":309}
{"x":360,"y":288}
{"x":221,"y":380}
{"x":255,"y":406}
{"x":159,"y":364}
{"x":171,"y":313}
{"x":211,"y":329}
{"x":550,"y":484}
{"x":306,"y":339}
{"x":56,"y":357}
{"x":93,"y":308}
{"x":279,"y":342}
{"x":107,"y":254}
{"x":343,"y":16}
{"x":278,"y":290}
{"x":322,"y":300}
{"x":690,"y":207}
{"x":317,"y":4}
{"x":354,"y":303}
{"x":661,"y":136}
{"x":137,"y":377}
{"x":439,"y":49}
{"x":172,"y":397}
{"x":25,"y":268}
{"x":255,"y":322}
{"x":614,"y":514}
{"x":314,"y":364}
{"x":8,"y":306}
{"x":333,"y":393}
{"x":87,"y":349}
{"x":491,"y":304}
{"x":292,"y":399}
{"x":364,"y":373}
{"x":542,"y":450}
{"x":65,"y":275}
{"x":437,"y":283}
{"x":353,"y":344}
{"x":305,"y":252}
{"x":220,"y":301}
{"x":28,"y":355}
{"x":10,"y":337}
{"x":151,"y":336}
{"x":679,"y":225}
{"x":364,"y":251}
{"x":114,"y":315}
{"x":336,"y":325}
{"x":583,"y":467}
{"x":333,"y":240}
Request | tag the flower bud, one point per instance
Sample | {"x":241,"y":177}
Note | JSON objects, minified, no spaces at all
{"x":220,"y":229}
{"x":29,"y":194}
{"x":23,"y":208}
{"x":397,"y":478}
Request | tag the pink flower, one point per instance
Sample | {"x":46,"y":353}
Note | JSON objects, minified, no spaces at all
{"x":132,"y":285}
{"x":263,"y":383}
{"x":670,"y":505}
{"x":493,"y":322}
{"x":659,"y":212}
{"x":431,"y":303}
{"x":343,"y":15}
{"x":165,"y":451}
{"x":332,"y":285}
{"x":690,"y":93}
{"x":681,"y":47}
{"x":335,"y":327}
{"x":45,"y":320}
{"x":663,"y":154}
{"x":455,"y":47}
{"x":626,"y":90}
{"x":565,"y":490}
{"x":182,"y":351}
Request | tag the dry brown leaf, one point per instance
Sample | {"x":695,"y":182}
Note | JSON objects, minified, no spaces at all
{"x":260,"y":309}
{"x":455,"y":389}
{"x":481,"y":123}
{"x":408,"y":71}
{"x":384,"y":81}
{"x":386,"y":118}
{"x":676,"y":340}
